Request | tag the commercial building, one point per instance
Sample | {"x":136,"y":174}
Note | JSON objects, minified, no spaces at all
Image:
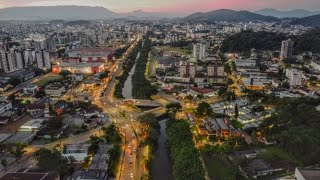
{"x":76,"y":67}
{"x":286,"y":49}
{"x":88,"y":55}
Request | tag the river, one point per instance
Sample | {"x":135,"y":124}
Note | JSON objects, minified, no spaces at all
{"x":161,"y":169}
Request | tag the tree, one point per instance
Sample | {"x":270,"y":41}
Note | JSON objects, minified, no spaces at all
{"x":18,"y":150}
{"x":38,"y":71}
{"x":14,"y":81}
{"x":54,"y":123}
{"x":104,"y":74}
{"x":173,"y":108}
{"x":65,"y":73}
{"x":236,"y":111}
{"x":204,"y":109}
{"x":48,"y":160}
{"x":4,"y":163}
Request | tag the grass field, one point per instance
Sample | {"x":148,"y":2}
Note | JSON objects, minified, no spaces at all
{"x":46,"y":80}
{"x":276,"y":154}
{"x":183,"y":51}
{"x":219,"y":167}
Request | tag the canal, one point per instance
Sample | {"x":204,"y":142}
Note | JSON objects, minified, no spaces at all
{"x":127,"y":89}
{"x":161,"y":169}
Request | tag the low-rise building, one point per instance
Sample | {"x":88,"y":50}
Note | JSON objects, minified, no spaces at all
{"x":306,"y":174}
{"x":31,"y":89}
{"x":33,"y":125}
{"x":294,"y":76}
{"x":78,"y":151}
{"x":5,"y":106}
{"x":55,"y":90}
{"x":22,"y":75}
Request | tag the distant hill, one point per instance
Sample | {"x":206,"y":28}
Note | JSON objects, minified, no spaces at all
{"x":77,"y":22}
{"x":58,"y":21}
{"x":246,"y":40}
{"x":151,"y":15}
{"x":297,"y":13}
{"x":56,"y":12}
{"x":313,"y":21}
{"x":230,"y":16}
{"x":69,"y":13}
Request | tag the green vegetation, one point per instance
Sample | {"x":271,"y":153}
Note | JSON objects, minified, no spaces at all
{"x":127,"y":66}
{"x":51,"y":160}
{"x":151,"y":132}
{"x":246,"y":40}
{"x":113,"y":137}
{"x":185,"y":157}
{"x":48,"y":79}
{"x":183,"y":50}
{"x":203,"y":110}
{"x":219,"y":167}
{"x":308,"y":21}
{"x":104,"y":74}
{"x":173,"y":108}
{"x":295,"y":127}
{"x":274,"y":154}
{"x":119,"y":52}
{"x":64,"y":73}
{"x":14,"y":81}
{"x":308,"y":41}
{"x":141,"y":87}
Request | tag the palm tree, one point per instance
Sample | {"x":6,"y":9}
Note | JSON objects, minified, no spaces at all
{"x":4,"y":163}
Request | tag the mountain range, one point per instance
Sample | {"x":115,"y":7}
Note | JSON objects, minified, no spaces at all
{"x":71,"y":13}
{"x":297,"y":13}
{"x":74,"y":13}
{"x":313,"y":21}
{"x":229,"y":15}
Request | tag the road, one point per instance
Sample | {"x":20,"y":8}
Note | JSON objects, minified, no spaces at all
{"x":107,"y":103}
{"x":25,"y":84}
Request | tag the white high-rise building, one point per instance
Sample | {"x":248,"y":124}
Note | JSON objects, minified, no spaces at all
{"x":200,"y":50}
{"x":46,"y":59}
{"x":39,"y":58}
{"x":43,"y":59}
{"x":294,"y":76}
{"x":19,"y":60}
{"x":286,"y":49}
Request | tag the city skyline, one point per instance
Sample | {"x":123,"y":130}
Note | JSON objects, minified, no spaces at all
{"x":172,"y":6}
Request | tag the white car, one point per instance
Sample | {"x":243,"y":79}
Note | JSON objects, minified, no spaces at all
{"x":131,"y":175}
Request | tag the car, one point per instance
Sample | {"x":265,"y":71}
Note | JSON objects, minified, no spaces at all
{"x":134,"y":149}
{"x":131,"y":175}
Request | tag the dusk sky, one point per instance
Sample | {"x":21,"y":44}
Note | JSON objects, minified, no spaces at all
{"x":173,"y":5}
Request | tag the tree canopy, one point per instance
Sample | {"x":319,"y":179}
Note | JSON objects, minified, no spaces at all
{"x":247,"y":40}
{"x":295,"y":127}
{"x":185,"y":157}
